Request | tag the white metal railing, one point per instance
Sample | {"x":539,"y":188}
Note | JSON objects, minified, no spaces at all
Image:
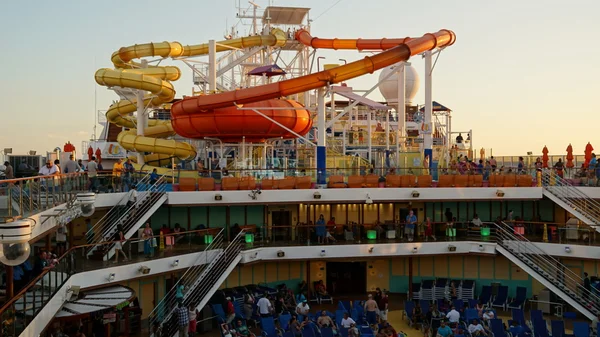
{"x":572,"y":196}
{"x":546,"y":266}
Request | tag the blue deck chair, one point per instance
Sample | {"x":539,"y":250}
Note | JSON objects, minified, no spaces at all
{"x":540,"y":329}
{"x":536,"y":315}
{"x":347,"y":305}
{"x":581,"y":329}
{"x":284,"y":321}
{"x":473,"y":303}
{"x":308,"y":331}
{"x":343,"y":332}
{"x":288,"y":334}
{"x":358,"y":318}
{"x":218,"y":311}
{"x":339,"y":315}
{"x":519,"y":316}
{"x":519,"y":301}
{"x":408,"y":311}
{"x":366,"y":331}
{"x":326,"y":332}
{"x":500,"y":299}
{"x":341,"y":306}
{"x":558,"y":329}
{"x":471,"y":314}
{"x":486,"y":295}
{"x":497,"y":328}
{"x":267,"y":325}
{"x":424,"y":306}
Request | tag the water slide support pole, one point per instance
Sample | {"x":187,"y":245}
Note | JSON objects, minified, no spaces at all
{"x":401,"y":99}
{"x":428,"y":135}
{"x":142,"y":118}
{"x":370,"y":135}
{"x":321,"y":138}
{"x":212,"y":65}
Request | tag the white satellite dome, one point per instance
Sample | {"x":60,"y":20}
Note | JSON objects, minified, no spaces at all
{"x":389,"y":87}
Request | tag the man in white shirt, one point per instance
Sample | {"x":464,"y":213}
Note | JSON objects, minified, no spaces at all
{"x":92,"y":170}
{"x":49,"y":169}
{"x":264,"y":307}
{"x":302,"y":308}
{"x":453,"y":316}
{"x":476,"y":329}
{"x":132,"y":196}
{"x":347,"y":321}
{"x":476,"y":221}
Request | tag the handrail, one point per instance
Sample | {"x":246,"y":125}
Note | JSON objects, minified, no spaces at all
{"x":549,"y":264}
{"x":146,"y":201}
{"x":212,"y":271}
{"x":62,"y":259}
{"x":570,"y":194}
{"x":193,"y":272}
{"x":110,"y":213}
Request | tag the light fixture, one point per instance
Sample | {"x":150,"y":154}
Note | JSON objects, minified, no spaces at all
{"x":280,"y":253}
{"x":317,"y":195}
{"x":144,"y":270}
{"x":499,"y":193}
{"x":249,"y":237}
{"x":175,"y":263}
{"x":322,"y":252}
{"x":567,"y":249}
{"x":254,"y":194}
{"x":481,"y":248}
{"x":8,"y":150}
{"x":371,"y":250}
{"x":14,"y":240}
{"x":451,"y":248}
{"x":415,"y":249}
{"x":111,"y":277}
{"x":368,"y":200}
{"x":218,"y":197}
{"x":415,"y":194}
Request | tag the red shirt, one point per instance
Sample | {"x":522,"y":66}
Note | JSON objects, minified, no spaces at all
{"x":382,"y":303}
{"x":230,"y":308}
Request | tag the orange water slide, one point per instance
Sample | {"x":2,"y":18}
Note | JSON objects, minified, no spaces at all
{"x":188,"y":115}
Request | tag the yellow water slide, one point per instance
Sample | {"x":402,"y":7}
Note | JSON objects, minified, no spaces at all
{"x":157,"y":80}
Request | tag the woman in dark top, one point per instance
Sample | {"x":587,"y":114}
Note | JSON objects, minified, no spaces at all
{"x":295,"y":327}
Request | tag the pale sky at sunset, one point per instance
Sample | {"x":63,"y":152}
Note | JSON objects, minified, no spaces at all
{"x":522,"y":74}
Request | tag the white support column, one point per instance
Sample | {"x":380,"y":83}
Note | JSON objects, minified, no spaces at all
{"x":142,"y":117}
{"x":428,"y":136}
{"x":212,"y":65}
{"x":401,"y":99}
{"x":387,"y":130}
{"x":321,"y":138}
{"x":264,"y":165}
{"x":369,"y":134}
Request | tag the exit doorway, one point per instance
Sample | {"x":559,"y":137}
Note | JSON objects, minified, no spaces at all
{"x":281,"y":225}
{"x":346,"y":278}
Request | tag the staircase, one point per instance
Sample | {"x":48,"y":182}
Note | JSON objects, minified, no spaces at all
{"x":19,"y":311}
{"x":150,"y":198}
{"x":571,"y":199}
{"x":547,"y":270}
{"x":200,"y":282}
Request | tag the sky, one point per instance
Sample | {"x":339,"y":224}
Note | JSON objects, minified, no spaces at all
{"x":521,"y":75}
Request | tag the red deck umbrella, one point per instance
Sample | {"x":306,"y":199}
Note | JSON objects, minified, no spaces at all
{"x":545,"y":157}
{"x":570,"y":156}
{"x":588,"y":153}
{"x":90,"y":153}
{"x":69,"y":147}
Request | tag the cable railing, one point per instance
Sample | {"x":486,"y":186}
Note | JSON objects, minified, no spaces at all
{"x":32,"y":296}
{"x":32,"y":195}
{"x":572,"y":196}
{"x":145,"y":201}
{"x":547,"y":267}
{"x":169,"y":302}
{"x":203,"y":284}
{"x":113,"y":215}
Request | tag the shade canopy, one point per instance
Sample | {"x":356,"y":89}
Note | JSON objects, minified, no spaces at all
{"x":269,"y":71}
